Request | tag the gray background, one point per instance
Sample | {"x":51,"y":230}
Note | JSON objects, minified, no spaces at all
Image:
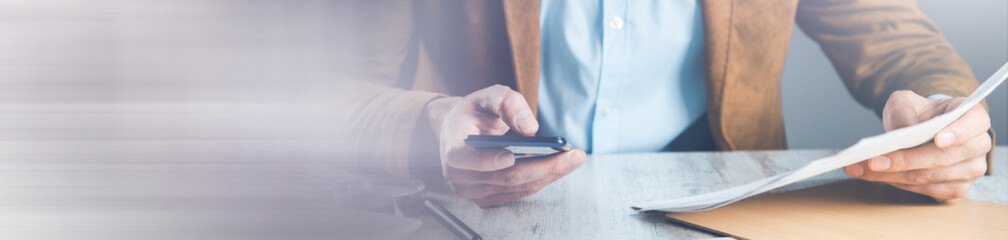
{"x":820,"y":113}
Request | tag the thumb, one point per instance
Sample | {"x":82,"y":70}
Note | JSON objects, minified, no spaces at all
{"x":510,"y":106}
{"x":902,"y":109}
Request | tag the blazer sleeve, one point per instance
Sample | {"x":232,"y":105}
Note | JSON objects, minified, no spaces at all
{"x":377,"y":114}
{"x":879,"y":47}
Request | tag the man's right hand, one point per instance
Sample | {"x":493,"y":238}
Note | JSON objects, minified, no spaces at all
{"x":491,"y":177}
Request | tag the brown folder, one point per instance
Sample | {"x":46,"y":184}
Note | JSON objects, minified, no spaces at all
{"x":852,"y":209}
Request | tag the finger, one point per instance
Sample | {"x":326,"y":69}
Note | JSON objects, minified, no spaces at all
{"x":974,"y":122}
{"x":501,"y":199}
{"x":964,"y":171}
{"x":479,"y":159}
{"x":510,"y":106}
{"x":479,"y":191}
{"x":940,"y":191}
{"x":524,"y":171}
{"x":491,"y":125}
{"x":929,"y":156}
{"x":857,"y":169}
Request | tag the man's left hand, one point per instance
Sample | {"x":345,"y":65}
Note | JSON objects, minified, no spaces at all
{"x":944,"y":168}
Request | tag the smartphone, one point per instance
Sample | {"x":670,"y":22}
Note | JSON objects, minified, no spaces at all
{"x":521,"y":146}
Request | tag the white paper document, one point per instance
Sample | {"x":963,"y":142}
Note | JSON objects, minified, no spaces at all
{"x":865,"y":148}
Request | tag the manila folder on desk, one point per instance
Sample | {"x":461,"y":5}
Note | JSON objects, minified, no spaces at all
{"x":852,"y":209}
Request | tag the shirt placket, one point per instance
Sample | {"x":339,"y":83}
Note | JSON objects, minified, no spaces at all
{"x":605,"y":127}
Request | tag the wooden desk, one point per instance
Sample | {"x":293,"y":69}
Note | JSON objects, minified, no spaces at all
{"x":594,"y":201}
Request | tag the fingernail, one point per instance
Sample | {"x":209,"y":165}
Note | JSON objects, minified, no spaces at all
{"x":525,"y":122}
{"x":855,"y":170}
{"x":945,"y":138}
{"x":880,"y":163}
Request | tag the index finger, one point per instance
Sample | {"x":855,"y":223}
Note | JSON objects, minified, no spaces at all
{"x":526,"y":170}
{"x":929,"y":156}
{"x":480,"y":159}
{"x":973,"y":123}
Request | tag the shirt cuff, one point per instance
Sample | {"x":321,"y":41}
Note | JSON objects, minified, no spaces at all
{"x":938,"y":96}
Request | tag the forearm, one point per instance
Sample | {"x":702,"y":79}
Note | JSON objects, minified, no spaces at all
{"x":424,"y":160}
{"x":879,"y":47}
{"x":379,"y":123}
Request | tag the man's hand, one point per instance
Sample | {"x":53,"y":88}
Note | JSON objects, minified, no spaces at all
{"x":491,"y":177}
{"x":943,"y":169}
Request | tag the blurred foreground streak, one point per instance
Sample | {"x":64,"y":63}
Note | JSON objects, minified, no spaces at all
{"x":176,"y":119}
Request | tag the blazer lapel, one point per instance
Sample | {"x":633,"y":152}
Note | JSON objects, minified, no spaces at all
{"x":717,"y":21}
{"x":747,"y":43}
{"x":522,"y":19}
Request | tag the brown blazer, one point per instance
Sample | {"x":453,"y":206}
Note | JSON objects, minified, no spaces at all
{"x":443,"y":47}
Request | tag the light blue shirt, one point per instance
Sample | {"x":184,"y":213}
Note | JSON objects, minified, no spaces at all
{"x":618,"y":75}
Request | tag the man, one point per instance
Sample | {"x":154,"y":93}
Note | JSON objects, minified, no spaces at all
{"x":621,"y":76}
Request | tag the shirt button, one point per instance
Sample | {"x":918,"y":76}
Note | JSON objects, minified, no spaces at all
{"x":616,"y":23}
{"x":606,"y":111}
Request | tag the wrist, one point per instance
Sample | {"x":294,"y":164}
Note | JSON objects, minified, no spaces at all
{"x":435,"y":111}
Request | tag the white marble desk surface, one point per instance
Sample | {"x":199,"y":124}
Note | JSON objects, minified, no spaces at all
{"x":594,"y":201}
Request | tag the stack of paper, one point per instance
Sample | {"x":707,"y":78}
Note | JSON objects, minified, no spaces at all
{"x":864,"y":149}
